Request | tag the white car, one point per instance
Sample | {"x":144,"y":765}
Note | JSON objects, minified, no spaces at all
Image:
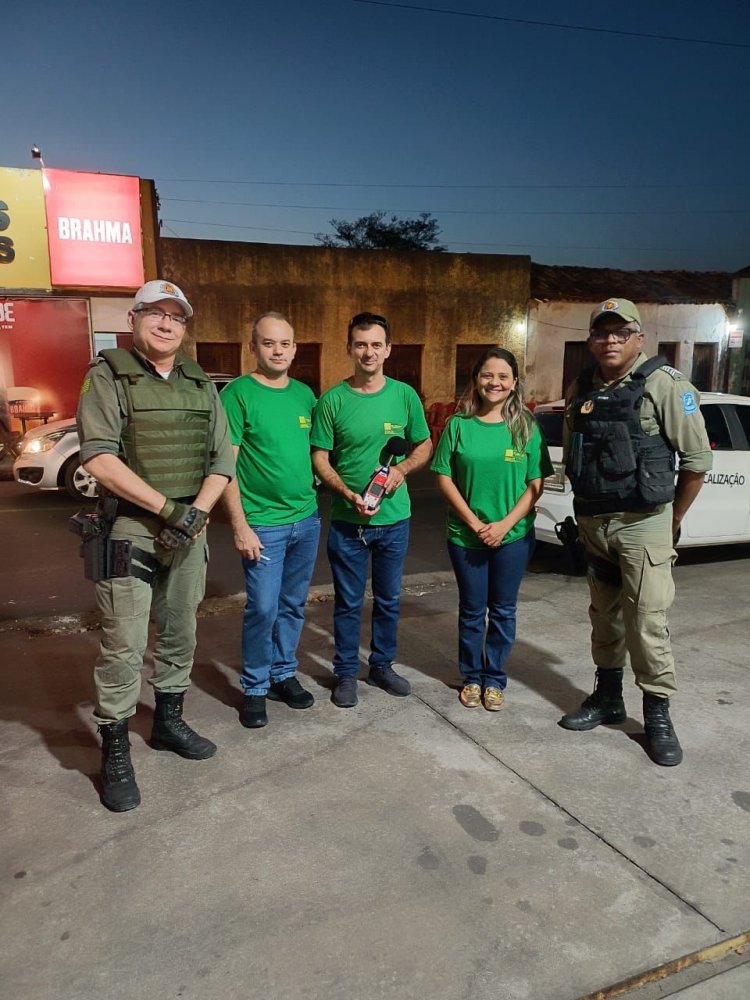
{"x":49,"y":458}
{"x":721,"y":513}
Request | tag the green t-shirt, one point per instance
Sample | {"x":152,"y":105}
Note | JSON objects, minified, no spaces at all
{"x":271,"y":427}
{"x":354,"y":427}
{"x":489,"y":473}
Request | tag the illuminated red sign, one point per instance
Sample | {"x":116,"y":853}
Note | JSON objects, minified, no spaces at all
{"x":45,"y":348}
{"x":93,"y":229}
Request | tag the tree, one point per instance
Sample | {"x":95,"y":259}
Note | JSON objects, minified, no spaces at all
{"x":376,"y":232}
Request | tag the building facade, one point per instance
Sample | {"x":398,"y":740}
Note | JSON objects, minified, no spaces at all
{"x":443,"y":308}
{"x":686,"y":317}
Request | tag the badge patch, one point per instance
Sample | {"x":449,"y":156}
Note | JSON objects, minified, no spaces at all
{"x":689,"y":404}
{"x":305,"y":423}
{"x":512,"y":456}
{"x":390,"y":428}
{"x":86,"y":384}
{"x":588,"y":406}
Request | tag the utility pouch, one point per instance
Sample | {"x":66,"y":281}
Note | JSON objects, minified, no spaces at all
{"x":616,"y":457}
{"x":575,"y":457}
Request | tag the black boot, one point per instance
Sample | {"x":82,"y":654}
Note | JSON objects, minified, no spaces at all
{"x":661,"y":739}
{"x":119,"y":791}
{"x":171,"y":732}
{"x":605,"y":706}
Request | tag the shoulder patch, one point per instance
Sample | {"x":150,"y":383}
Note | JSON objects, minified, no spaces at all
{"x":689,"y":404}
{"x":676,"y":375}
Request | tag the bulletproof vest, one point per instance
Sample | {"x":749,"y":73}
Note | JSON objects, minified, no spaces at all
{"x":613,"y":465}
{"x":166,"y":436}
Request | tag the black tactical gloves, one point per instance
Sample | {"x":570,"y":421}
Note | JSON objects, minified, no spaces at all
{"x":184,"y":523}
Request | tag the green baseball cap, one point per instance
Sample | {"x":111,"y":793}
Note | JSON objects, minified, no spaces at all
{"x":623,"y":308}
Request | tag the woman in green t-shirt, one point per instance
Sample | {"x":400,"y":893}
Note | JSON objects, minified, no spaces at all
{"x":490,"y":463}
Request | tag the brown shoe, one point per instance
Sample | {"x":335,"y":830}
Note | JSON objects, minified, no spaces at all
{"x":493,"y":699}
{"x":471,"y":696}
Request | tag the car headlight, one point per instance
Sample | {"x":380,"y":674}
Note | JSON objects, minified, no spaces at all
{"x":39,"y":444}
{"x":556,"y":482}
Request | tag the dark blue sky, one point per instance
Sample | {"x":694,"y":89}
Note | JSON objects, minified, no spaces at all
{"x":576,"y":147}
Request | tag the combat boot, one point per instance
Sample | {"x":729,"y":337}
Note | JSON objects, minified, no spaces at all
{"x":119,"y":790}
{"x":604,"y":707}
{"x":661,"y":739}
{"x":171,"y":732}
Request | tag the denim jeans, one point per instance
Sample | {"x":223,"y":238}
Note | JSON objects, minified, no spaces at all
{"x":488,"y":584}
{"x":277,"y":586}
{"x":350,"y":548}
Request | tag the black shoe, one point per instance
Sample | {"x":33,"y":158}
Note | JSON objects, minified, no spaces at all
{"x":291,"y":692}
{"x":119,"y":790}
{"x":661,"y":739}
{"x":604,"y":707}
{"x":171,"y":732}
{"x":387,"y":679}
{"x":345,"y":693}
{"x":253,"y":711}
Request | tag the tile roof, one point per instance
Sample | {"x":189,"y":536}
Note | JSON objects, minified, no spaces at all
{"x":593,"y":284}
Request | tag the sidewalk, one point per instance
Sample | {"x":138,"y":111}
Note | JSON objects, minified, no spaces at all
{"x":408,"y":848}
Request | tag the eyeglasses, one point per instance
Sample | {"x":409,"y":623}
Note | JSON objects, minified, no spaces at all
{"x":160,"y":315}
{"x":621,"y":335}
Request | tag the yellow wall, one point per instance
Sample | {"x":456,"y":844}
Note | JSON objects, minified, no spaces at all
{"x":24,"y":257}
{"x":435,"y":299}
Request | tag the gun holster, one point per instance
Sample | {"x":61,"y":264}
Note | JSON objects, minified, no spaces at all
{"x":567,"y":533}
{"x":103,"y":557}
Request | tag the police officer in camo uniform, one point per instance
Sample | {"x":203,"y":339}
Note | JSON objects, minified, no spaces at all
{"x":626,"y":418}
{"x":154,"y":435}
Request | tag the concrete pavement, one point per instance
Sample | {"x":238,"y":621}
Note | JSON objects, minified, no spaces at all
{"x":408,"y":848}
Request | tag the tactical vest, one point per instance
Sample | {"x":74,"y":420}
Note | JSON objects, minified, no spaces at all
{"x":613,"y":465}
{"x":166,"y":435}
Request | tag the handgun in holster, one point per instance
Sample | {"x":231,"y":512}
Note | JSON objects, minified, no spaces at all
{"x":102,"y":557}
{"x":567,"y":533}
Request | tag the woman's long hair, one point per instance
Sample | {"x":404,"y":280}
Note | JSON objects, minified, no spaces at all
{"x":515,"y":413}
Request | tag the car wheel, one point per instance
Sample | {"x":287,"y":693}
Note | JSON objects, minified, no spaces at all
{"x":80,"y":484}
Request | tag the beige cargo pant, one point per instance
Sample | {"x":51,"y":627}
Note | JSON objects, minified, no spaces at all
{"x":632,"y":617}
{"x":126,"y":605}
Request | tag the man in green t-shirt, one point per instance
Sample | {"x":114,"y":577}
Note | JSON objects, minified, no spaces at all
{"x":353,"y":423}
{"x":273,"y":511}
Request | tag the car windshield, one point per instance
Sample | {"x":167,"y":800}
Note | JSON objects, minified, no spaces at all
{"x":551,"y":424}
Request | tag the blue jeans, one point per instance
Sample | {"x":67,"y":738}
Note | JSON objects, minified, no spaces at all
{"x":350,"y":547}
{"x":277,"y":586}
{"x":488,"y":584}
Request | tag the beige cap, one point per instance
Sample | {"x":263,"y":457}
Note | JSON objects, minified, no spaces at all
{"x":623,"y":308}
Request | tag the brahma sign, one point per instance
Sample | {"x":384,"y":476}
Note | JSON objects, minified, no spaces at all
{"x":93,"y":229}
